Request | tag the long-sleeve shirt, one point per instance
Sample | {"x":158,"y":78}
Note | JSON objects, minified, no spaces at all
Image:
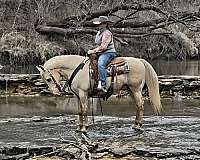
{"x":106,"y":39}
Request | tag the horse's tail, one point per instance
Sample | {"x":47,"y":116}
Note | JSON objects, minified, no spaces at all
{"x":151,"y":80}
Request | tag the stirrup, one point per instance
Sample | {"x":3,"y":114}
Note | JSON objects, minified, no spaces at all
{"x":102,"y":89}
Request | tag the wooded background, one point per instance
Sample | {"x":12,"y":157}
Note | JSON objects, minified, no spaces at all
{"x":34,"y":30}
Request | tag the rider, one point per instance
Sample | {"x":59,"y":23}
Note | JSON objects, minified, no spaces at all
{"x":105,"y":49}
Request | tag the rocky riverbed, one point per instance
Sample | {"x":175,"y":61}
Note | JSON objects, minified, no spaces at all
{"x":162,"y":137}
{"x":51,"y":132}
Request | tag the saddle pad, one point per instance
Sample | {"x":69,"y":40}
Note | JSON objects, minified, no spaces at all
{"x":121,"y":68}
{"x":118,"y":61}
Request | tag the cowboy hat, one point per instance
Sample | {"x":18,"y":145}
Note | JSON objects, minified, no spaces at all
{"x":102,"y":19}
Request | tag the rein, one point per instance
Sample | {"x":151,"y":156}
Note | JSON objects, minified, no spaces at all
{"x":55,"y":82}
{"x":73,"y":75}
{"x":68,"y":82}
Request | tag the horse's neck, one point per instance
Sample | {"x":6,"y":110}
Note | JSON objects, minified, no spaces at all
{"x":65,"y":72}
{"x":69,"y":62}
{"x":66,"y":64}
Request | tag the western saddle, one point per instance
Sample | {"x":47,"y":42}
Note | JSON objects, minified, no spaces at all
{"x":116,"y":67}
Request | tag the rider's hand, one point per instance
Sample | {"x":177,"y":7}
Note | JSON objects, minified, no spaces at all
{"x":91,"y":51}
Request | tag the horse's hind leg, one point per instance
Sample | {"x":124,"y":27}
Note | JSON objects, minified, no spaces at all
{"x":137,"y":95}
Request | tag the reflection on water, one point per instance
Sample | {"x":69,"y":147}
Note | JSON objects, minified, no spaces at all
{"x":53,"y":106}
{"x":191,"y":68}
{"x":36,"y":106}
{"x":172,"y":107}
{"x":161,"y":67}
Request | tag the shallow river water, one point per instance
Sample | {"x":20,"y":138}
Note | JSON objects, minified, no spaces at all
{"x":45,"y":121}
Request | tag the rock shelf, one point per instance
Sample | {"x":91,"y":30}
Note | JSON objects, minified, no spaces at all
{"x":32,"y":84}
{"x":162,"y":137}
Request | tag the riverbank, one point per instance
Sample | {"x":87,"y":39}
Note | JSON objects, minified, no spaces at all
{"x":32,"y":84}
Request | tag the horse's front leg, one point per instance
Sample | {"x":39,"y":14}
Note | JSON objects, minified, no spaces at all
{"x":83,"y":111}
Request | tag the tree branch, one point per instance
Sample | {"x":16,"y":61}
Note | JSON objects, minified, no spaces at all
{"x":64,"y":32}
{"x":137,"y":7}
{"x":72,"y":31}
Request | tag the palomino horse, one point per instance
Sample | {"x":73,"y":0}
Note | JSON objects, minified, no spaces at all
{"x":141,"y":72}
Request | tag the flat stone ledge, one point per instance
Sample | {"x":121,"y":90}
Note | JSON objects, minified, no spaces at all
{"x":32,"y":84}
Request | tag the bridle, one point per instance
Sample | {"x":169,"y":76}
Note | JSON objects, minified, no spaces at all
{"x":58,"y":86}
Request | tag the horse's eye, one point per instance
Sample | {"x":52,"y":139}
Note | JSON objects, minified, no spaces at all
{"x":48,"y":79}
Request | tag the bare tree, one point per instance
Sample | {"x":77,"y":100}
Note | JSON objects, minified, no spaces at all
{"x":133,"y":19}
{"x":141,"y":28}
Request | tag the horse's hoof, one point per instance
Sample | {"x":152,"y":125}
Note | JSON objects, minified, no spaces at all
{"x":81,"y":130}
{"x":138,"y":130}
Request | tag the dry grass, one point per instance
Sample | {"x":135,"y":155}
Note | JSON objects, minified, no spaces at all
{"x":20,"y":47}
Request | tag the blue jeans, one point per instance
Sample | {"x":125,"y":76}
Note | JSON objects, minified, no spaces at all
{"x":103,"y":61}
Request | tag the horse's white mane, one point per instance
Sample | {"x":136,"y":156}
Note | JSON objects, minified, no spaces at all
{"x":63,"y":61}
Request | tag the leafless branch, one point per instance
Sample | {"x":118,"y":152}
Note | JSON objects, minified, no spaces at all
{"x":162,"y":2}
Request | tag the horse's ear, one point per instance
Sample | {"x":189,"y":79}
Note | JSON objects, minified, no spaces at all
{"x":40,"y":68}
